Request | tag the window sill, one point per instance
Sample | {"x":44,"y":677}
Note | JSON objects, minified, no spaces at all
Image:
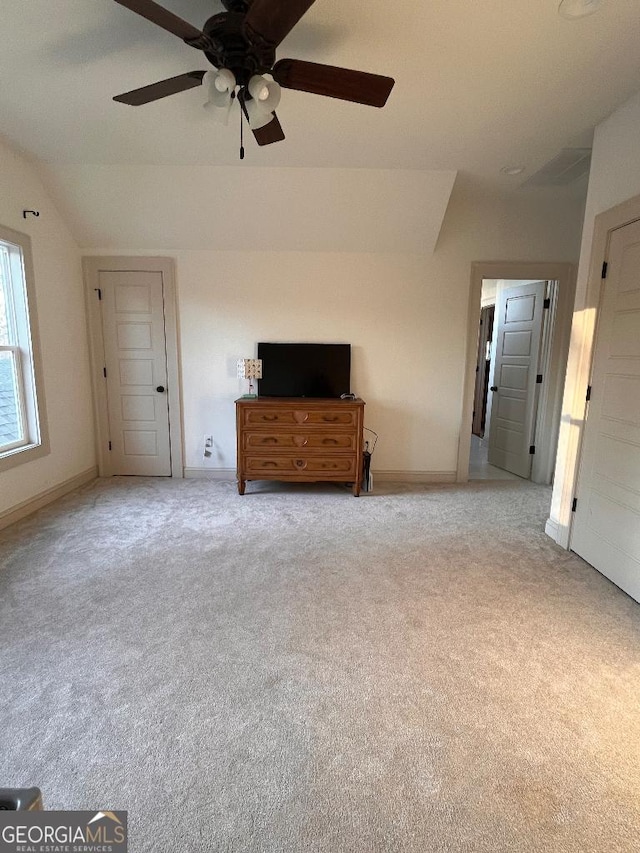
{"x":21,"y":455}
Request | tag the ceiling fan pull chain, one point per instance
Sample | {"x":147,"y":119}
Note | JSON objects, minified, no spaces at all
{"x":241,"y":139}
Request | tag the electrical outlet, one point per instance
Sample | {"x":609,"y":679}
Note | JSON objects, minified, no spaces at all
{"x":208,"y":441}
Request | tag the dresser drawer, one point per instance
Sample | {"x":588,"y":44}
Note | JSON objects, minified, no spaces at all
{"x":288,"y":465}
{"x":299,"y":417}
{"x":288,"y":440}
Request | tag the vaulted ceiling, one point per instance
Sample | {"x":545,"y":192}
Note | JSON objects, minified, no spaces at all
{"x":479,"y":85}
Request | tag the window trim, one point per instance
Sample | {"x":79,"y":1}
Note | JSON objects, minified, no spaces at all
{"x":36,"y":419}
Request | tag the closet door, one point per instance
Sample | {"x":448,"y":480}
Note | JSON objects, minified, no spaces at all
{"x":606,"y":528}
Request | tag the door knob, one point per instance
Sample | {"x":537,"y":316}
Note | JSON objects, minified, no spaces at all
{"x":493,"y":388}
{"x":160,"y":389}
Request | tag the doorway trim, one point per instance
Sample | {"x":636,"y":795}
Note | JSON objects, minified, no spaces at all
{"x":579,"y":365}
{"x":564,"y":274}
{"x":485,"y":335}
{"x":92,"y":266}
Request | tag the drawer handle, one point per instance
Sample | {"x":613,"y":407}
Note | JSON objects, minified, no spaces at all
{"x":269,"y":440}
{"x":329,"y":440}
{"x":269,"y":465}
{"x":269,"y":418}
{"x":330,"y":418}
{"x":301,"y":463}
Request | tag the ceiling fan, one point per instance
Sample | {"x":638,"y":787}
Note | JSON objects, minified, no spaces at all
{"x":241,"y":45}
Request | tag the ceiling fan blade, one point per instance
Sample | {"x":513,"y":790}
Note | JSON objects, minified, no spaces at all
{"x":333,"y":82}
{"x":168,"y":21}
{"x":161,"y":89}
{"x":271,"y":20}
{"x":271,"y":132}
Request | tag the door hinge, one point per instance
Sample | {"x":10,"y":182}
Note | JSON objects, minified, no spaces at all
{"x":605,"y":267}
{"x":109,"y":445}
{"x":99,"y":292}
{"x":588,"y":393}
{"x":547,"y":303}
{"x":539,"y":379}
{"x":532,"y":449}
{"x":574,"y":504}
{"x":104,"y":372}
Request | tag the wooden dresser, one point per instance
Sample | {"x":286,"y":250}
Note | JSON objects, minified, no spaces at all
{"x":300,"y":440}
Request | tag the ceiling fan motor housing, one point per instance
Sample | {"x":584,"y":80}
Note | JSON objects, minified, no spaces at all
{"x":233,"y":50}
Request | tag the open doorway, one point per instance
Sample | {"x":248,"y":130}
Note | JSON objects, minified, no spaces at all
{"x":519,"y":328}
{"x":514,"y":337}
{"x":479,"y":465}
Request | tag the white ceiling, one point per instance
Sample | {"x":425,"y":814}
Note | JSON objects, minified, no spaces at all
{"x":480,"y":84}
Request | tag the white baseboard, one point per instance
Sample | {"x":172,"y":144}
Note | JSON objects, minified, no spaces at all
{"x":414,"y":476}
{"x":22,"y":510}
{"x":558,"y":532}
{"x":210,"y":473}
{"x":551,"y":529}
{"x":382,"y":476}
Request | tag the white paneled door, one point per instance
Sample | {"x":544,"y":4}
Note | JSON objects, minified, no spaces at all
{"x":518,"y":333}
{"x":606,"y":528}
{"x":133,"y":329}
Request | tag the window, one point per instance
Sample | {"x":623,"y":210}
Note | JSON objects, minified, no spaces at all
{"x":22,"y":431}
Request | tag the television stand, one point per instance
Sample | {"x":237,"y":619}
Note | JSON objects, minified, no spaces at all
{"x":300,"y":440}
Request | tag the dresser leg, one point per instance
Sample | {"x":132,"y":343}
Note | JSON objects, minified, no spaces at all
{"x":356,"y":489}
{"x":241,"y":485}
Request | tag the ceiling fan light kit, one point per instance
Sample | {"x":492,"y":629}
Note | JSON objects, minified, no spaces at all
{"x":223,"y":81}
{"x":266,"y":92}
{"x":265,"y":97}
{"x":220,"y":87}
{"x":220,"y":93}
{"x":241,"y":45}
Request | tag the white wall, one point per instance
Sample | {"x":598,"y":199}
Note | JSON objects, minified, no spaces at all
{"x":61,"y":320}
{"x":614,"y":178}
{"x":405,"y":315}
{"x":380,"y":303}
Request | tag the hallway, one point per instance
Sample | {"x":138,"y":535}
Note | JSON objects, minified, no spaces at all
{"x":479,"y":468}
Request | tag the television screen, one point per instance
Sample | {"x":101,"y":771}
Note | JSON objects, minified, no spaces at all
{"x":304,"y":370}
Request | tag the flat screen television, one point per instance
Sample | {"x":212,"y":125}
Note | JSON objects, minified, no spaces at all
{"x":304,"y":370}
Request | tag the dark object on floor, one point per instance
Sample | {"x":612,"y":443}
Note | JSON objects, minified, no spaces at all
{"x":366,"y":470}
{"x":367,"y":478}
{"x":21,"y":799}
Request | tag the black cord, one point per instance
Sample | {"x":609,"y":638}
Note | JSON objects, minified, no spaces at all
{"x":366,"y":429}
{"x":241,"y":139}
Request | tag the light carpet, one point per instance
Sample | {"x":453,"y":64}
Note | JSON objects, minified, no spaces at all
{"x":418,"y":669}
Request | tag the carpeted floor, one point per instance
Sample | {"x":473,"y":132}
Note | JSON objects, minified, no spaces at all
{"x":419,"y":669}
